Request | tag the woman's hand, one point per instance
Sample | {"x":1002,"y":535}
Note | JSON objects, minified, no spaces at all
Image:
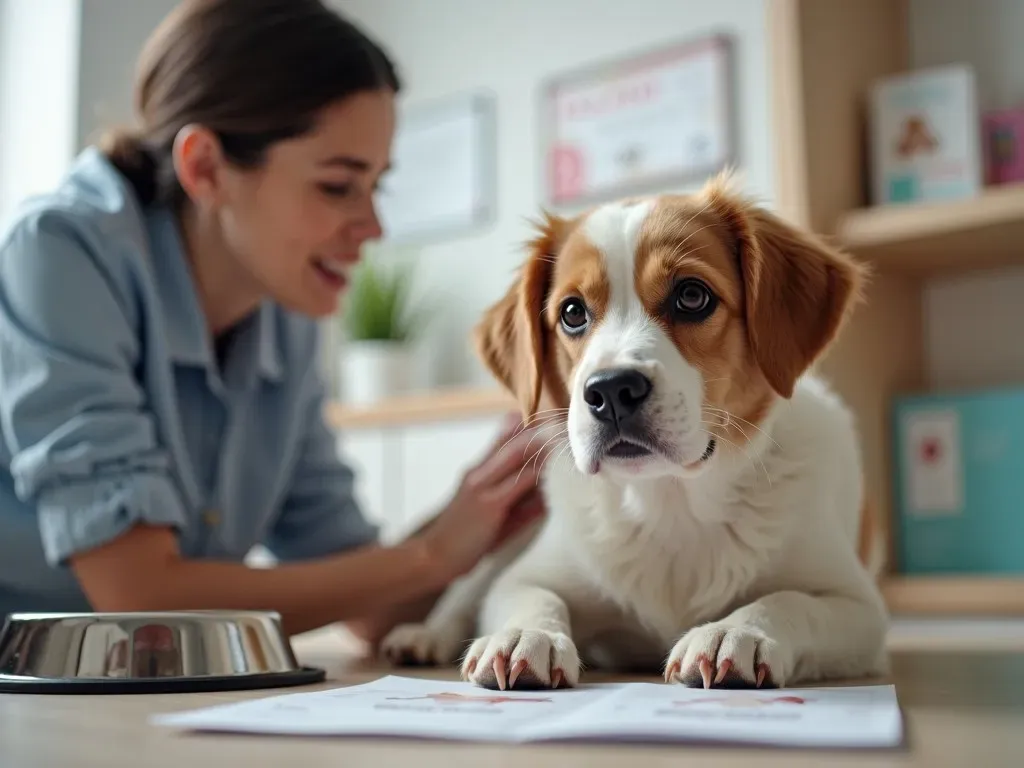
{"x":496,"y":499}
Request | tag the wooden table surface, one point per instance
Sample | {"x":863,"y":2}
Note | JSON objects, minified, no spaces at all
{"x":963,"y":708}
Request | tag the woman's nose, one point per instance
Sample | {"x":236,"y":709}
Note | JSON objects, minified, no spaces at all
{"x":368,"y":227}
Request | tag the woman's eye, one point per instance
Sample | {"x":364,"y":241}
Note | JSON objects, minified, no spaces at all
{"x":336,"y":190}
{"x":693,"y":301}
{"x":573,"y":315}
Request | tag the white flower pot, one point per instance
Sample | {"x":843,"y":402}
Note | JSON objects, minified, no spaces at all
{"x":371,"y":371}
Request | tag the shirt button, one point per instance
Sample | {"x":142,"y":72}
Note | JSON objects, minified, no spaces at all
{"x":211,"y":517}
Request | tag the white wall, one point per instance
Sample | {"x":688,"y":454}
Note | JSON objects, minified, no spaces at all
{"x":509,"y":48}
{"x":974,"y":323}
{"x":38,"y":65}
{"x":113,"y":32}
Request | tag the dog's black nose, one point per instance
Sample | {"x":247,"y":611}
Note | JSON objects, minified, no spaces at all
{"x":616,"y":394}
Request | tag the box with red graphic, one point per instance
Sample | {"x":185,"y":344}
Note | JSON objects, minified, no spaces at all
{"x":1004,"y":146}
{"x":959,"y":482}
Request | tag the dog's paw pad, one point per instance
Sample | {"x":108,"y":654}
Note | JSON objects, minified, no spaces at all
{"x":419,"y":645}
{"x":523,"y":659}
{"x":726,"y":657}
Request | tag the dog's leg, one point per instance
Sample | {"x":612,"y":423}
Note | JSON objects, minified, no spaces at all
{"x":531,"y":645}
{"x":526,"y":637}
{"x":786,"y":637}
{"x":451,"y":624}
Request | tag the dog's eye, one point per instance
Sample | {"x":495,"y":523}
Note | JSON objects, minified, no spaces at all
{"x":573,"y":315}
{"x":693,"y":301}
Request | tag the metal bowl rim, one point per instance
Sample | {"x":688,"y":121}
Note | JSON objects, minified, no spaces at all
{"x":24,"y":616}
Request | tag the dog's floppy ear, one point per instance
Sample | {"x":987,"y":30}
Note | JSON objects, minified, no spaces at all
{"x":798,"y":290}
{"x":511,"y":338}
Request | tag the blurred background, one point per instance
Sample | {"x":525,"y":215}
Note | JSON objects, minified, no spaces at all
{"x":892,"y":125}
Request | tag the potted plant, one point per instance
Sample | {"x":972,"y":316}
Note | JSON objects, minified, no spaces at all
{"x":378,"y":358}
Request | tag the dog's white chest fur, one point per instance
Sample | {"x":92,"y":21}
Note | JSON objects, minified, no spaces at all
{"x":668,"y":553}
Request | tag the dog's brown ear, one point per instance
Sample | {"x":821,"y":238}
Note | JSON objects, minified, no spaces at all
{"x":798,"y":289}
{"x":511,"y":338}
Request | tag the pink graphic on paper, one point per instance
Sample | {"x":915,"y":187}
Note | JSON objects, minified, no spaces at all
{"x":481,"y":699}
{"x":744,"y":700}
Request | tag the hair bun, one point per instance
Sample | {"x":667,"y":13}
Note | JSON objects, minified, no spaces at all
{"x":130,"y":155}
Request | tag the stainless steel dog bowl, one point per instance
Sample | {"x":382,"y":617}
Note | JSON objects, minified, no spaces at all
{"x":163,"y":652}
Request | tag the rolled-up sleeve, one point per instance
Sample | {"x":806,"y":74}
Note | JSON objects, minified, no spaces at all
{"x":320,"y":515}
{"x":84,"y":449}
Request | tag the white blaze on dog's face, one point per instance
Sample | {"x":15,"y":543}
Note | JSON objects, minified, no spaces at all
{"x":635,"y":399}
{"x":666,"y":327}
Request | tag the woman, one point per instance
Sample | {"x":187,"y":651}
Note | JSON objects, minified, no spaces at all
{"x":161,"y":410}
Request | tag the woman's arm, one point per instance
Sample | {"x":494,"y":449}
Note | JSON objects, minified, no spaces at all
{"x":375,"y":626}
{"x":372,"y":588}
{"x":142,"y":570}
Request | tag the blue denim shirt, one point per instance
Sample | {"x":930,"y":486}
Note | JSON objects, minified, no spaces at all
{"x":114,"y":411}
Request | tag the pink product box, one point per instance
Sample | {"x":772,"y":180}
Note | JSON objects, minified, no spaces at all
{"x":1004,"y":146}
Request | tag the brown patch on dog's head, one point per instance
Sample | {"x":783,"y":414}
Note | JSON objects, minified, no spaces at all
{"x":798,"y":289}
{"x":781,"y":296}
{"x":512,"y":338}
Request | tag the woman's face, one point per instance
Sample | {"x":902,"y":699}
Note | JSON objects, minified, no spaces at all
{"x":296,"y":224}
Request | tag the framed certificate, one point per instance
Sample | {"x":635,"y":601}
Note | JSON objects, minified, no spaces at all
{"x":648,"y":122}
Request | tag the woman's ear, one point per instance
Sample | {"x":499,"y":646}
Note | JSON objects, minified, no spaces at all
{"x":798,"y":290}
{"x":511,"y":338}
{"x":198,"y":163}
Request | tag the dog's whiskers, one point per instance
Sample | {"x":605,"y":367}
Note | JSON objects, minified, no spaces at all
{"x":733,"y":417}
{"x":566,"y":448}
{"x":679,"y":258}
{"x":744,"y":451}
{"x":729,"y":422}
{"x":539,"y":423}
{"x":535,"y":458}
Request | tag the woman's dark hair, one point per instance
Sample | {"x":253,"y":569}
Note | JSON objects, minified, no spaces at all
{"x":253,"y":72}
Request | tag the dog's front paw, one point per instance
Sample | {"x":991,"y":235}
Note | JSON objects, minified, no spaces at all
{"x":727,"y":657}
{"x":419,"y":644}
{"x":524,"y":658}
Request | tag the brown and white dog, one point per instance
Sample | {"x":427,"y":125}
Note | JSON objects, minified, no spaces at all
{"x":707,"y":512}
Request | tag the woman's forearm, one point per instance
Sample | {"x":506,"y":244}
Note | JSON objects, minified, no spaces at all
{"x":373,"y":627}
{"x":142,"y":571}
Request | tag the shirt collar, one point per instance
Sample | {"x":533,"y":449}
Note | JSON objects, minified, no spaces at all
{"x":185,"y":326}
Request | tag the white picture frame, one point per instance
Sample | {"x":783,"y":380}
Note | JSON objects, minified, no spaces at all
{"x":442,"y":182}
{"x":653,"y":121}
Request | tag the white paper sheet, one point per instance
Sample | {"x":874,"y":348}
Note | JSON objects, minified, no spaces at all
{"x":409,"y":707}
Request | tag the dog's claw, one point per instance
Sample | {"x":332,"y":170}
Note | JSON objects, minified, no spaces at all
{"x":762,"y":671}
{"x":671,"y":671}
{"x":527,"y":658}
{"x":517,"y":670}
{"x":723,"y":670}
{"x":499,"y":671}
{"x":705,"y":672}
{"x":556,"y":678}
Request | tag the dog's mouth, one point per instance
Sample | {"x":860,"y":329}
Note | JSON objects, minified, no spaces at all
{"x":627,"y":449}
{"x":631,"y":452}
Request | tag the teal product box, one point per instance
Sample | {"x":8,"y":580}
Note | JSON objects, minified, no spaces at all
{"x":959,"y":482}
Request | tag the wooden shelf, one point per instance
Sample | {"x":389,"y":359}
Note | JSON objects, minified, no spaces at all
{"x":941,"y":237}
{"x":439,"y":405}
{"x":955,"y":595}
